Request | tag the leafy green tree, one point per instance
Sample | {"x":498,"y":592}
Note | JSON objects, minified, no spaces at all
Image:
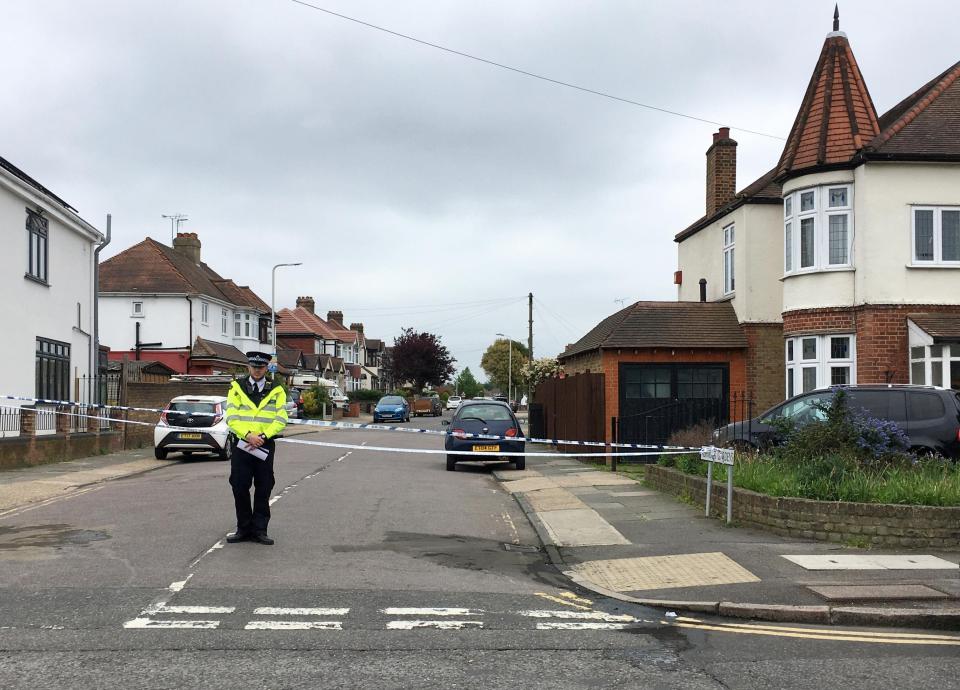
{"x":421,"y":359}
{"x":467,"y":385}
{"x":497,"y":364}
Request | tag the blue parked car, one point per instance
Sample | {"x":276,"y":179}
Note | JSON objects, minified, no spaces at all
{"x":391,"y":407}
{"x":490,"y":418}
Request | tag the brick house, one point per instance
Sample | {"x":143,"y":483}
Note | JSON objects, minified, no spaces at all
{"x":843,"y":262}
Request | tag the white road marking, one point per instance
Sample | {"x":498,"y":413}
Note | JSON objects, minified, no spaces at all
{"x":280,"y":611}
{"x":164,"y":608}
{"x":581,"y":626}
{"x":219,"y":545}
{"x":294,"y":625}
{"x":178,"y":586}
{"x":440,"y":625}
{"x":143,"y":623}
{"x":430,"y":612}
{"x":14,"y":512}
{"x":513,"y":528}
{"x":580,"y":615}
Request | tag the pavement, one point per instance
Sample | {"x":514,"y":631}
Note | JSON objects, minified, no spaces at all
{"x":614,"y":536}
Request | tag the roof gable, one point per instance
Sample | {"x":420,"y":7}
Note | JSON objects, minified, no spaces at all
{"x":763,"y":190}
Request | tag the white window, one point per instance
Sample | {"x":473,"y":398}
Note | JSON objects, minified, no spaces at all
{"x":818,"y":229}
{"x":223,"y":321}
{"x":246,"y":325}
{"x":236,"y":324}
{"x":936,"y":235}
{"x":819,"y":361}
{"x":936,"y":364}
{"x":137,"y":309}
{"x":728,"y":257}
{"x":204,"y":312}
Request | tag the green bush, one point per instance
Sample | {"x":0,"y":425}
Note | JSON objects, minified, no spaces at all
{"x":314,"y":400}
{"x":365,"y":395}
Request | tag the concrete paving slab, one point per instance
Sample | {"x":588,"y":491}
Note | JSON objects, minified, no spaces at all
{"x":871,"y":562}
{"x":614,"y":492}
{"x":513,"y":475}
{"x":607,"y":505}
{"x":592,"y":479}
{"x":663,"y":572}
{"x":877,"y":592}
{"x":554,"y":499}
{"x":531,"y":484}
{"x":584,"y":490}
{"x":583,"y":527}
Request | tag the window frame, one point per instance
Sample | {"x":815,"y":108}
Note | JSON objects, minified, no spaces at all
{"x":134,"y":313}
{"x":729,"y":259}
{"x":937,"y":211}
{"x":819,"y":215}
{"x":38,"y":238}
{"x":823,"y":362}
{"x":52,"y":369}
{"x":237,"y":325}
{"x":205,"y":313}
{"x":224,"y":320}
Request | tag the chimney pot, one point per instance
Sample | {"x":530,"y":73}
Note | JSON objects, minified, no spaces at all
{"x":188,"y":244}
{"x":335,"y":317}
{"x":703,"y":289}
{"x":307,"y":303}
{"x":721,"y":171}
{"x":358,"y":327}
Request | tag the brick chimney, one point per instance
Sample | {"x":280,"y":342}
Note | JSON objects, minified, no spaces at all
{"x":721,"y":171}
{"x":358,"y":327}
{"x":188,"y":244}
{"x":307,"y":303}
{"x":335,"y":317}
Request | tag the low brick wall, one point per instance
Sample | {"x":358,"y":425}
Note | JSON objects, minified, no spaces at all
{"x":875,"y":523}
{"x":26,"y":451}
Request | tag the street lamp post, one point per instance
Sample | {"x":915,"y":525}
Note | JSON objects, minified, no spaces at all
{"x":273,"y":313}
{"x":509,"y":369}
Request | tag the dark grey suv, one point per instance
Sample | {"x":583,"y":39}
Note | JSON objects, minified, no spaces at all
{"x":930,"y":416}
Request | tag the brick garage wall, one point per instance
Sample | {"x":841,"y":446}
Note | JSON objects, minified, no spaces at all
{"x":766,"y":368}
{"x":585,"y":363}
{"x":736,"y":359}
{"x":874,"y":523}
{"x":881,"y":330}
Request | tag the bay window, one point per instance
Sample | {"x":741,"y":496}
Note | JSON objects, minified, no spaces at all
{"x":819,"y":361}
{"x":818,"y":229}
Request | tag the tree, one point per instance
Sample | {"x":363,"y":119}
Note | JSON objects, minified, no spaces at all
{"x":496,"y":362}
{"x":467,"y":385}
{"x":419,"y":358}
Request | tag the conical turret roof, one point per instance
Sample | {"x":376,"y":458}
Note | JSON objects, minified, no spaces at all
{"x":837,"y":117}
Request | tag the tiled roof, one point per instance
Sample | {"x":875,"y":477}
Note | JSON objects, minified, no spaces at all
{"x":142,"y":365}
{"x":763,"y":190}
{"x":374,"y":344}
{"x":299,"y":321}
{"x":150,"y":266}
{"x":356,"y":371}
{"x":925,"y":124}
{"x":289,"y":357}
{"x":837,"y":116}
{"x":940,"y":327}
{"x":665,"y":324}
{"x":336,"y":363}
{"x":211,"y":349}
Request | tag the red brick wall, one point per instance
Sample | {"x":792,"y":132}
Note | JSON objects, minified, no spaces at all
{"x":300,"y":342}
{"x":881,"y":330}
{"x":736,"y":359}
{"x":175,"y":359}
{"x":766,"y":369}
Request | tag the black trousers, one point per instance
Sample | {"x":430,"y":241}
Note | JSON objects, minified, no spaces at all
{"x":245,"y":470}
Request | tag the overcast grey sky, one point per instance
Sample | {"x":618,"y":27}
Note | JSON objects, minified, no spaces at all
{"x":418,"y":186}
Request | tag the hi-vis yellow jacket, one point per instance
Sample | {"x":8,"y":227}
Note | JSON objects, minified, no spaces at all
{"x":268,"y":418}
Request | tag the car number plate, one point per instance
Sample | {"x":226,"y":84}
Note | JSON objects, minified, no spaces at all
{"x":190,"y":437}
{"x":486,"y":449}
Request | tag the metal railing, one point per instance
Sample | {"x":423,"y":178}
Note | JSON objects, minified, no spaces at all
{"x":9,"y":422}
{"x":46,"y":419}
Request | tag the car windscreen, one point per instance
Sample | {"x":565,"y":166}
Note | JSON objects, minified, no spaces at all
{"x":802,"y":410}
{"x":391,"y":400}
{"x":488,"y":413}
{"x":195,"y":408}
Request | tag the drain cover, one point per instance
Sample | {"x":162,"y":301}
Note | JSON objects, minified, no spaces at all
{"x":523,"y":548}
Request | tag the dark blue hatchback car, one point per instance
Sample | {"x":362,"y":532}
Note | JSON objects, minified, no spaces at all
{"x":490,"y":418}
{"x":392,"y":407}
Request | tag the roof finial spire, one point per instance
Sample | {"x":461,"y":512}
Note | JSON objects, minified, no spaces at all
{"x":836,"y":18}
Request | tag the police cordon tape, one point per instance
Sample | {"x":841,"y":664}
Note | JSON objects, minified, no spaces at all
{"x":386,"y":449}
{"x":376,"y":427}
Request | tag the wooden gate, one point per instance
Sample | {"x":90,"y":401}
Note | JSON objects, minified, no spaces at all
{"x":573,"y":409}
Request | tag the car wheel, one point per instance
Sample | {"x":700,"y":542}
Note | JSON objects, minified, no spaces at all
{"x":520,"y":463}
{"x":227,"y":450}
{"x":451,"y":463}
{"x":159,"y":453}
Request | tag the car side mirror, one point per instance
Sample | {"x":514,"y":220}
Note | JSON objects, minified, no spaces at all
{"x":445,"y":422}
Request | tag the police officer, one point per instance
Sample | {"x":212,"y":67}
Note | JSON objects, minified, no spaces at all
{"x":255,"y":414}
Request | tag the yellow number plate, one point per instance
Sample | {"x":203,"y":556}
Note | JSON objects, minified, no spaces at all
{"x":190,"y":437}
{"x":486,"y":449}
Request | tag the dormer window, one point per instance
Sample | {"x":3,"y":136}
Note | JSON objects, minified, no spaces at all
{"x":817,"y":229}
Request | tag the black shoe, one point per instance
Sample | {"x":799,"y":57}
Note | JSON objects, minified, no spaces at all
{"x":238,"y":536}
{"x":263,"y":538}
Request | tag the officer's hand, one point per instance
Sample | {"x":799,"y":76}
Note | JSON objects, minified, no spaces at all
{"x":253,"y":439}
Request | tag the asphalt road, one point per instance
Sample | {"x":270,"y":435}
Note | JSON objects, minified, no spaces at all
{"x":388,"y":571}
